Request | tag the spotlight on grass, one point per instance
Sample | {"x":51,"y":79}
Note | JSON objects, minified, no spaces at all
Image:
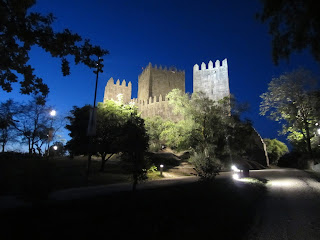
{"x":235,"y":176}
{"x":234,"y":168}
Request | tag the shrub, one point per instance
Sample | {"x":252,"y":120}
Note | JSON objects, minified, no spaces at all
{"x":207,"y":167}
{"x":294,"y":160}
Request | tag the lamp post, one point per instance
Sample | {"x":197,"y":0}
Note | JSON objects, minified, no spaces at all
{"x":91,"y":132}
{"x":161,"y":170}
{"x":50,"y":133}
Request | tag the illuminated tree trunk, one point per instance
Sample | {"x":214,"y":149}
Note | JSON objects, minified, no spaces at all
{"x":308,"y":138}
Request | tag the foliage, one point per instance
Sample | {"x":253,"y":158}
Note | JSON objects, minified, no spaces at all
{"x":294,"y":26}
{"x":154,"y":127}
{"x":152,"y":169}
{"x":119,"y":129}
{"x":110,"y":129}
{"x":208,"y":124}
{"x":33,"y":123}
{"x":294,"y":160}
{"x":206,"y":167}
{"x":275,"y":149}
{"x":210,"y":128}
{"x":293,"y":100}
{"x":135,"y":145}
{"x":20,"y":29}
{"x":178,"y":135}
{"x":60,"y":151}
{"x":78,"y":123}
{"x":8,"y":111}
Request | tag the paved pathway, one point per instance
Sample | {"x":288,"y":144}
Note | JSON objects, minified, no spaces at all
{"x":291,"y":209}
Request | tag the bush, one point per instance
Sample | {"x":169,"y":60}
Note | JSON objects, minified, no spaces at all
{"x":168,"y":159}
{"x":206,"y":167}
{"x":28,"y":175}
{"x":294,"y":160}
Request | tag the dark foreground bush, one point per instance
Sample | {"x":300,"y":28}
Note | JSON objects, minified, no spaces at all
{"x":28,"y":175}
{"x":294,"y":160}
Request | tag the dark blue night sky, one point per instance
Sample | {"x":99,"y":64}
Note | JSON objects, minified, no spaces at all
{"x":167,"y":33}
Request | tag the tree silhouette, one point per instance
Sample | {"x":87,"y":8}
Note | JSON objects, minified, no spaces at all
{"x":21,"y":29}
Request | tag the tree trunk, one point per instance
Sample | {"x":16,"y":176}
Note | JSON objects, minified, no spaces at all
{"x":308,"y":138}
{"x":88,"y":166}
{"x":29,"y":144}
{"x":103,"y":161}
{"x":135,"y":172}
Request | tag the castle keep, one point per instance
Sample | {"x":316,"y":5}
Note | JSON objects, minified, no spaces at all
{"x":154,"y":83}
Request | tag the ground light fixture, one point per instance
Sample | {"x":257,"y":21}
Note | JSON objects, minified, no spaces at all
{"x":161,"y":169}
{"x":236,"y":172}
{"x":234,"y":168}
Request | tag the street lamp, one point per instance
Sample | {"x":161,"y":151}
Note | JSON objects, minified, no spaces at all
{"x":55,"y":147}
{"x":161,"y":169}
{"x":53,"y":113}
{"x":50,"y":134}
{"x":91,"y":131}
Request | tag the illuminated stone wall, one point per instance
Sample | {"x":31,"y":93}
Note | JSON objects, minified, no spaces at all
{"x":213,"y":81}
{"x":112,"y":90}
{"x":156,"y":106}
{"x":156,"y":81}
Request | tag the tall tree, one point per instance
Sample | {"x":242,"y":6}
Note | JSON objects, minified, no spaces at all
{"x":111,"y":120}
{"x":34,"y":123}
{"x":294,"y":26}
{"x":20,"y":29}
{"x":136,"y":143}
{"x":275,"y":149}
{"x":206,"y":123}
{"x":292,"y":100}
{"x":8,"y":111}
{"x":78,"y":124}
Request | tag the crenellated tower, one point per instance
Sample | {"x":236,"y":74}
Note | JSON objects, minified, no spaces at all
{"x":113,"y":90}
{"x":213,"y":81}
{"x":156,"y":81}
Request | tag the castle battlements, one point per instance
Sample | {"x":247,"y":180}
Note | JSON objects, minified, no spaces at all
{"x":163,"y":68}
{"x":151,"y":100}
{"x":210,"y":65}
{"x":123,"y":83}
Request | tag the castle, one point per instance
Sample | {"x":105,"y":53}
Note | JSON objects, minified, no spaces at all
{"x":154,"y":83}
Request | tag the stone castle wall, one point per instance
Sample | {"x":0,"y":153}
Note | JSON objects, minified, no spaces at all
{"x":113,"y":90}
{"x":156,"y":106}
{"x":213,"y":81}
{"x":156,"y":81}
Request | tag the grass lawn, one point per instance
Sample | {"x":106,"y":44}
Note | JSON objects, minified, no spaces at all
{"x":220,"y":210}
{"x":21,"y":176}
{"x":31,"y":177}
